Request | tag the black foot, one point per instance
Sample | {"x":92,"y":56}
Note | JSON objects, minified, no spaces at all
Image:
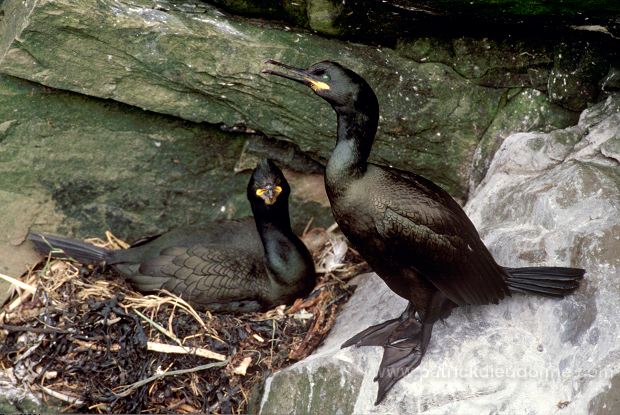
{"x":377,"y":335}
{"x":404,"y":340}
{"x":383,"y":333}
{"x":398,"y":361}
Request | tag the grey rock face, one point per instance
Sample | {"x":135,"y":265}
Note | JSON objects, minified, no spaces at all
{"x":548,"y":199}
{"x":192,"y":61}
{"x":308,"y":389}
{"x":79,"y":166}
{"x":99,"y":163}
{"x":573,"y":82}
{"x":19,"y":399}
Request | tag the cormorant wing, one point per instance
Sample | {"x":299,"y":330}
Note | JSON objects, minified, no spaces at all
{"x":225,"y":233}
{"x":203,"y":274}
{"x":424,"y":228}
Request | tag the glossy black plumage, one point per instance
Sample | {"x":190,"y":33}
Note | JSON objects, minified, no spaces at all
{"x":410,"y":231}
{"x":239,"y":265}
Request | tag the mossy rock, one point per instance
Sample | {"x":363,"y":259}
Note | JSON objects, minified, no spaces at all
{"x":194,"y":62}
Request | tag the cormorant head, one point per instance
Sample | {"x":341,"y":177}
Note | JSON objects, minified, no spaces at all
{"x":345,"y":90}
{"x":267,"y":185}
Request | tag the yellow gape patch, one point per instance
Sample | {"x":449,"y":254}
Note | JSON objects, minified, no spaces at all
{"x":269,"y":194}
{"x":317,"y":85}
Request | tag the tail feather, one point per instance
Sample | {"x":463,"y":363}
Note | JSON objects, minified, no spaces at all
{"x":547,"y":281}
{"x":61,"y":247}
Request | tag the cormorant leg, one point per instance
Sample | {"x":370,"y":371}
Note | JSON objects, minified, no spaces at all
{"x":382,"y":333}
{"x":408,"y":343}
{"x":402,"y":355}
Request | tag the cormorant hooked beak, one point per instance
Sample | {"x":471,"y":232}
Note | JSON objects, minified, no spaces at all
{"x":298,"y":75}
{"x":269,"y":193}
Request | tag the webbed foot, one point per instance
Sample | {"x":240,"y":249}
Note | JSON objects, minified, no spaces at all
{"x":377,"y":335}
{"x":404,"y":340}
{"x":398,"y":361}
{"x":383,"y":333}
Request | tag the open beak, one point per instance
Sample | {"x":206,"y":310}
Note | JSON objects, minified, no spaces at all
{"x":296,"y":74}
{"x":269,"y":194}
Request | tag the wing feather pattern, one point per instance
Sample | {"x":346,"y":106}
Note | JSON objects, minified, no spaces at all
{"x":429,"y":232}
{"x":200,"y":273}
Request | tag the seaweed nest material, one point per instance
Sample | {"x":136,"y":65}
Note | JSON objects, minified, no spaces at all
{"x":84,"y":340}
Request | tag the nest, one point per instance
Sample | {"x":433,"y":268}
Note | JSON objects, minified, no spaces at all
{"x":85,"y":340}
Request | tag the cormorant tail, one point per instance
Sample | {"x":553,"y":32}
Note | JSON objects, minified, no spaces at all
{"x":62,"y":247}
{"x":547,"y":281}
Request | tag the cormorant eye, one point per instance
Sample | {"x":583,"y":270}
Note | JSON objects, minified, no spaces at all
{"x":320,"y":73}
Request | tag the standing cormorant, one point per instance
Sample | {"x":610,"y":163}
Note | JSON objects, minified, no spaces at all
{"x":411,"y":232}
{"x":237,"y":265}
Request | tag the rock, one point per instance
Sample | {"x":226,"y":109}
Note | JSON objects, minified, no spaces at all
{"x":577,"y":70}
{"x":16,"y":395}
{"x":20,"y":400}
{"x":608,"y":401}
{"x":294,"y":12}
{"x":384,"y":21}
{"x":611,"y":82}
{"x":522,"y":110}
{"x":80,"y":166}
{"x":192,"y":61}
{"x":497,"y":63}
{"x":304,"y":390}
{"x":547,"y":199}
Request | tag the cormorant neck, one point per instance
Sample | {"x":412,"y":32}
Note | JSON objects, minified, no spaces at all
{"x":272,"y":219}
{"x":356,"y":134}
{"x":280,"y":244}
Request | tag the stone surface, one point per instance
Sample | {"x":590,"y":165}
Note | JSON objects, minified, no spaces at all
{"x":80,"y":166}
{"x":386,"y":20}
{"x":608,"y":401}
{"x":522,"y":110}
{"x":304,"y":390}
{"x":19,"y":400}
{"x":192,"y":61}
{"x":578,"y":68}
{"x":548,"y":199}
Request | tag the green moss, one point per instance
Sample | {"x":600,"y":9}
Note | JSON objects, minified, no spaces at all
{"x":438,"y":97}
{"x":109,"y":166}
{"x":323,"y":14}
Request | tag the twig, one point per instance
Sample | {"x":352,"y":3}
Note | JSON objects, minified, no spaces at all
{"x":18,"y":301}
{"x":30,"y":350}
{"x":19,"y":283}
{"x":307,"y":228}
{"x":43,"y":330}
{"x":243,"y":367}
{"x":128,"y":389}
{"x":170,"y":298}
{"x":97,"y":347}
{"x":332,"y":227}
{"x":159,"y":328}
{"x":114,"y":240}
{"x":198,"y":351}
{"x":63,"y":397}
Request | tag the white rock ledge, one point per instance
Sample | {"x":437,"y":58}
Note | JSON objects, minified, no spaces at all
{"x":548,"y":199}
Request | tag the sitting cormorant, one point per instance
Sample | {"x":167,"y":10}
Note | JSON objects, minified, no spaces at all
{"x":410,"y":231}
{"x":238,"y":265}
